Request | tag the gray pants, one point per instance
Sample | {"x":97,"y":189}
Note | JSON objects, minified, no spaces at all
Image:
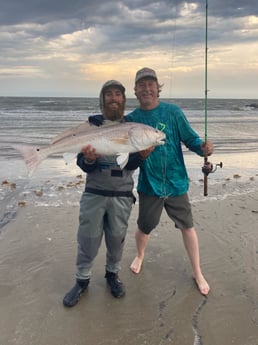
{"x":101,"y":215}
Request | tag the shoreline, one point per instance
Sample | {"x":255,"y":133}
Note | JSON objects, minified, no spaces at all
{"x":55,"y":184}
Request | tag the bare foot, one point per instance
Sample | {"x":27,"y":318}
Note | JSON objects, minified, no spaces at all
{"x":202,"y":285}
{"x":136,"y":265}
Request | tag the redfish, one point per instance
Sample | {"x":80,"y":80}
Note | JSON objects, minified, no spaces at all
{"x":110,"y":139}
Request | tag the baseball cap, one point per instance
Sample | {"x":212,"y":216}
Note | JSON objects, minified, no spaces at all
{"x":108,"y":84}
{"x":145,"y":73}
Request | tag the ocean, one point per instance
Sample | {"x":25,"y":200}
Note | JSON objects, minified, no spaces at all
{"x":232,"y":126}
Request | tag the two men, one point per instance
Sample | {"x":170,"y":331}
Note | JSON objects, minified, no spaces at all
{"x":163,"y":182}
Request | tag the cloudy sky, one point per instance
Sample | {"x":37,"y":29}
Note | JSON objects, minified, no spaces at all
{"x":69,"y":48}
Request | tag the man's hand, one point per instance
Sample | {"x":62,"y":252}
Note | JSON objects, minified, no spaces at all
{"x":207,"y":148}
{"x":89,"y":153}
{"x":145,"y":153}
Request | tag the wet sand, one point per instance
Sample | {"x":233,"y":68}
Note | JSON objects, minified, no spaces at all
{"x":162,"y":305}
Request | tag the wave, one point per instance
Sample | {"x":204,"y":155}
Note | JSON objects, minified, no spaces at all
{"x":252,"y":106}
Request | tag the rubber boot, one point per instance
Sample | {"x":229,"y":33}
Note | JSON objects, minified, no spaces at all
{"x":116,"y":286}
{"x":72,"y":297}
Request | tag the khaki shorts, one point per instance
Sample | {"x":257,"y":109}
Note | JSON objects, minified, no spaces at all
{"x":150,"y":208}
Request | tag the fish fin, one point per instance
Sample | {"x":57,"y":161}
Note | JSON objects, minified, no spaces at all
{"x":77,"y":130}
{"x":69,"y":156}
{"x":122,"y":159}
{"x":83,"y":127}
{"x":32,"y":156}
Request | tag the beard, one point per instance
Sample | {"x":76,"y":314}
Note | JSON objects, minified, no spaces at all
{"x":114,"y":114}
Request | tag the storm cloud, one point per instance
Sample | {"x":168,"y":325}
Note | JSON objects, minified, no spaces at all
{"x":70,"y":48}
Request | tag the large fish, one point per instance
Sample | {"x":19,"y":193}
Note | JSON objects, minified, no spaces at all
{"x":112,"y":138}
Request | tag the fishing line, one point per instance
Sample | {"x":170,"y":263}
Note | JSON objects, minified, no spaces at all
{"x":173,"y":52}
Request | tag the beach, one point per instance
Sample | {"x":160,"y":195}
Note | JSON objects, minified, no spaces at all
{"x":162,"y":304}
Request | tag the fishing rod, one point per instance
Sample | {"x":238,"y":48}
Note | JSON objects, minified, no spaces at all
{"x":207,"y":166}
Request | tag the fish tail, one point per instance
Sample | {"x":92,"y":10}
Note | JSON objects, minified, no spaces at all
{"x":32,"y":156}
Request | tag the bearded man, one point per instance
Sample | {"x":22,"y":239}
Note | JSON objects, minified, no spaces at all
{"x":105,"y":204}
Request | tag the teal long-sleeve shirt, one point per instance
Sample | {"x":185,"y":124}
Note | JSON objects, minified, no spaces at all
{"x":164,"y":173}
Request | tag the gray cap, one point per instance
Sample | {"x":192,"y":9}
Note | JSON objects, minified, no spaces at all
{"x":145,"y":72}
{"x":108,"y":84}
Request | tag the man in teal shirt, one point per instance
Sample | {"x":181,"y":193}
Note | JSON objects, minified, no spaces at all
{"x":163,"y":180}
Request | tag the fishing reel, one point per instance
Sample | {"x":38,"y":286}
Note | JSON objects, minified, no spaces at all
{"x":208,"y":167}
